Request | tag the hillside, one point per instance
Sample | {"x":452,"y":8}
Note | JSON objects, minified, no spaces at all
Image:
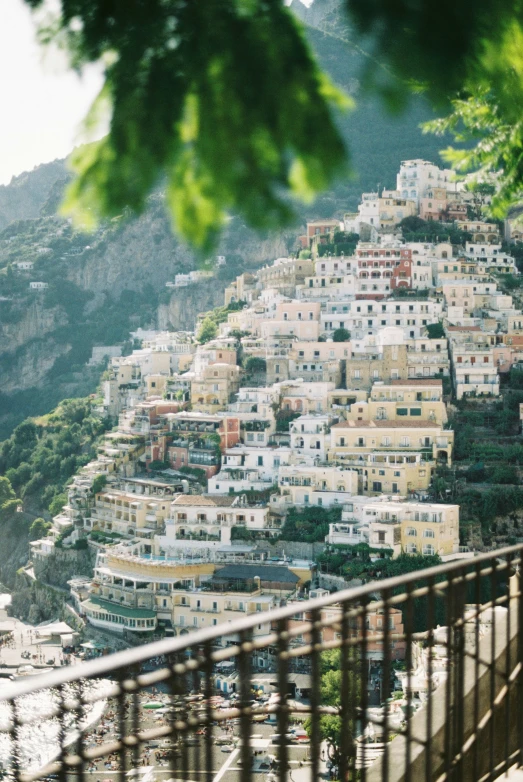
{"x":106,"y":284}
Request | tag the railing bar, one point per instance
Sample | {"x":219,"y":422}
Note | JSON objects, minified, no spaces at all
{"x":508,"y":659}
{"x":477,"y":600}
{"x":346,"y":740}
{"x":315,"y":732}
{"x":385,"y":694}
{"x":62,"y":776}
{"x":492,"y":683}
{"x":245,"y":696}
{"x":104,"y":666}
{"x":208,"y":692}
{"x":364,"y":690}
{"x":520,"y":661}
{"x":449,"y":710}
{"x":501,"y":768}
{"x":121,"y":699}
{"x":81,"y":719}
{"x":283,"y":686}
{"x":135,"y":726}
{"x":408,"y":664}
{"x":459,"y":634}
{"x":430,"y":642}
{"x":194,"y":748}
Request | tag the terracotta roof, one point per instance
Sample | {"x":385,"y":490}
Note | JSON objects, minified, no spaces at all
{"x":386,"y":425}
{"x":463,"y":328}
{"x":200,"y":499}
{"x":415,"y":381}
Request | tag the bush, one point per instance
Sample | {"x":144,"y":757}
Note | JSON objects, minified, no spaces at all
{"x":158,"y":465}
{"x":341,"y":335}
{"x":208,"y":330}
{"x":255,"y":364}
{"x":39,"y":529}
{"x":57,"y":503}
{"x":436,"y":331}
{"x":310,"y":525}
{"x":99,"y":483}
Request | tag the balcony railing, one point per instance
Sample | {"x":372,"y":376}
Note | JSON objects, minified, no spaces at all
{"x":419,"y":677}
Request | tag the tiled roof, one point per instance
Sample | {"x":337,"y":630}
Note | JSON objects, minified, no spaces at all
{"x":386,"y":425}
{"x":200,"y":499}
{"x":416,"y":382}
{"x":463,"y":328}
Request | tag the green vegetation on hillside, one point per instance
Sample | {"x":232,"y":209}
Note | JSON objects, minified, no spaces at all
{"x":43,"y":454}
{"x":415,"y":229}
{"x":309,"y":524}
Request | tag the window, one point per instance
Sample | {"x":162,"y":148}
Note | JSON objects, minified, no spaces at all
{"x":428,"y":533}
{"x":429,"y":550}
{"x":405,"y":442}
{"x":376,"y":486}
{"x":402,"y":411}
{"x":411,"y":532}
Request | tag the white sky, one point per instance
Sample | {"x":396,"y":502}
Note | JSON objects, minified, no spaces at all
{"x":42,"y":102}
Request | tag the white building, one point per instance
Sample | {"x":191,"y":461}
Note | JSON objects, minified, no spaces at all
{"x":417,"y":177}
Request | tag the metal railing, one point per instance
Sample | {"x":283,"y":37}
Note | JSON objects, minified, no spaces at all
{"x":419,"y":677}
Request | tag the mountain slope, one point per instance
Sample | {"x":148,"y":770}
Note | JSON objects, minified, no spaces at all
{"x":103,"y":285}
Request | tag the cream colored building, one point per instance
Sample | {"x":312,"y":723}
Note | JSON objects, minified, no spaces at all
{"x":386,"y":363}
{"x":427,"y":357}
{"x":395,"y":457}
{"x":403,"y":527}
{"x":305,"y":485}
{"x":214,"y":388}
{"x":128,"y":513}
{"x":402,"y":400}
{"x":194,"y":610}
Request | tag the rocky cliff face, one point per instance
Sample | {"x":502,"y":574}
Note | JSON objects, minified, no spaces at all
{"x":36,"y":321}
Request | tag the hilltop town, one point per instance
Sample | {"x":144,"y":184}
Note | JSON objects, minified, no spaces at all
{"x":306,"y":419}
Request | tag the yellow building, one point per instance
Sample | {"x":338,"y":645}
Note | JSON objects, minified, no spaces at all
{"x":364,"y":369}
{"x":392,"y":457}
{"x":128,"y":513}
{"x":399,"y":400}
{"x":214,"y":388}
{"x":429,"y":528}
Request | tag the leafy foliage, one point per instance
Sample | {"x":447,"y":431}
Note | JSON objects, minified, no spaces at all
{"x":443,"y":48}
{"x":247,"y":114}
{"x":330,"y":694}
{"x":8,"y":500}
{"x":255,"y":364}
{"x":42,"y":454}
{"x":309,"y":524}
{"x":341,"y":335}
{"x":208,"y":330}
{"x":39,"y":528}
{"x":435,"y":330}
{"x":415,"y":229}
{"x":485,"y":118}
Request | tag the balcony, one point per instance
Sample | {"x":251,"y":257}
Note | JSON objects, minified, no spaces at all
{"x":427,"y":684}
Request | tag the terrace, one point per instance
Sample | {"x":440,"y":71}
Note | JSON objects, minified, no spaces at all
{"x":454,"y":657}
